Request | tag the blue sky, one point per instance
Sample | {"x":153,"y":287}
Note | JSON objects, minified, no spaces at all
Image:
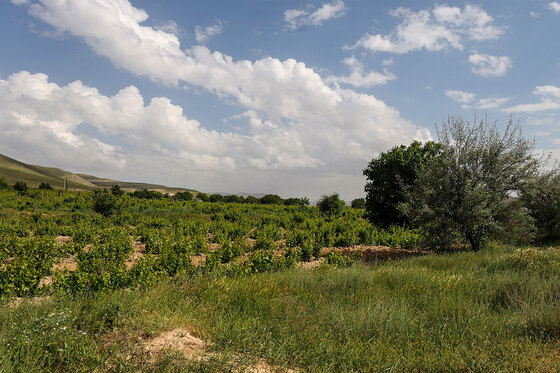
{"x":287,"y":97}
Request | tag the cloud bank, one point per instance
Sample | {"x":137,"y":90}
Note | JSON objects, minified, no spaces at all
{"x":294,"y":119}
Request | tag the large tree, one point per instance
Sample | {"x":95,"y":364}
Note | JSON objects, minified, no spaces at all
{"x":469,"y":192}
{"x":389,"y":176}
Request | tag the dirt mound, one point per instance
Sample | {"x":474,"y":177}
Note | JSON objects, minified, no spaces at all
{"x":178,"y":340}
{"x":191,"y":347}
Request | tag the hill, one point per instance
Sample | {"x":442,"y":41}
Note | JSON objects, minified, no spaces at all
{"x":131,"y":186}
{"x":13,"y":170}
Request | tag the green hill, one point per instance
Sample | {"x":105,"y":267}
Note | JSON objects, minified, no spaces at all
{"x":131,"y":186}
{"x":13,"y":170}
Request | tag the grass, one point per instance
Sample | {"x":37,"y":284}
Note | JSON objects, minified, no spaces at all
{"x":496,"y":310}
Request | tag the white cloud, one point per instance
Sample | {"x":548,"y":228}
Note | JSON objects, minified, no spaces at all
{"x":203,"y":34}
{"x":309,"y":116}
{"x":490,"y":66}
{"x":440,"y":28}
{"x":460,"y":96}
{"x":31,"y":106}
{"x":549,"y":100}
{"x":492,"y":102}
{"x":20,"y":2}
{"x":359,"y":78}
{"x":296,"y":18}
{"x":468,"y":98}
{"x":555,"y":6}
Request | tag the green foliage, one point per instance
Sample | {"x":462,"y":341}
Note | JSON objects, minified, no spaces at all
{"x":216,"y":198}
{"x":271,"y":199}
{"x":389,"y":178}
{"x":183,"y":196}
{"x":104,"y":203}
{"x":338,"y":260}
{"x":330,"y":205}
{"x":203,"y":197}
{"x":358,"y":203}
{"x":465,"y":195}
{"x":117,"y":191}
{"x":542,"y":197}
{"x":20,"y":186}
{"x":45,"y":186}
{"x":3,"y":183}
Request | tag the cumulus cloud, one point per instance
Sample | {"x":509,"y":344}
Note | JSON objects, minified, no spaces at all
{"x":440,"y":28}
{"x":296,"y":18}
{"x":460,"y":96}
{"x":468,"y":100}
{"x":490,"y":66}
{"x":358,"y":76}
{"x":203,"y":34}
{"x":30,"y":106}
{"x":555,"y":6}
{"x":492,"y":102}
{"x":308,"y":115}
{"x":549,"y":96}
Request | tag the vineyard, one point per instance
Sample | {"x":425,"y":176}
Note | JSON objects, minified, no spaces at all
{"x":53,"y":241}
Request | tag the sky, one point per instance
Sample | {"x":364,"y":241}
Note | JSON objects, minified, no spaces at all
{"x":265,"y":96}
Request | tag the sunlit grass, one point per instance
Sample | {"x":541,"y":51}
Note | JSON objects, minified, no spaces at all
{"x":496,"y":310}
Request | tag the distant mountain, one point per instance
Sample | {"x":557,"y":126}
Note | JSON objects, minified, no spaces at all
{"x":13,"y":170}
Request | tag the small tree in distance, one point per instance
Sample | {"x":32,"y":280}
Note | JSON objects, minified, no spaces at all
{"x":466,"y":192}
{"x":358,"y":203}
{"x":20,"y":187}
{"x":116,"y":190}
{"x":330,"y":205}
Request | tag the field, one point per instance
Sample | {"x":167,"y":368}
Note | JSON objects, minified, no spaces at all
{"x":166,"y":285}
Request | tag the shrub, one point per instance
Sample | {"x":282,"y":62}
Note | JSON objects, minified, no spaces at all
{"x":183,"y":196}
{"x":203,"y":197}
{"x":117,"y":191}
{"x":330,"y":205}
{"x":3,"y":183}
{"x":20,"y":186}
{"x":272,"y":199}
{"x":542,"y":197}
{"x":45,"y":186}
{"x":104,"y":203}
{"x":358,"y":203}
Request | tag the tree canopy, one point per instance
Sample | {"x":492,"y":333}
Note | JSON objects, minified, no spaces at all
{"x":389,"y":176}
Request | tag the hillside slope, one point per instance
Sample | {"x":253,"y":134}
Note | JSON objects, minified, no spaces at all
{"x":13,"y":170}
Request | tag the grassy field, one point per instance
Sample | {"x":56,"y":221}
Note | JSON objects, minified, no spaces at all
{"x":497,"y":310}
{"x":165,"y":285}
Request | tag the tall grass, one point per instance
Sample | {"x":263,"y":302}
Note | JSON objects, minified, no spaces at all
{"x":496,"y":310}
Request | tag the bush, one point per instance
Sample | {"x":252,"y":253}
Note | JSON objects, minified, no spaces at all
{"x":467,"y":191}
{"x":117,"y":191}
{"x":358,"y":203}
{"x":3,"y":183}
{"x":20,"y":186}
{"x":272,"y":199}
{"x":542,"y":197}
{"x":331,"y":205}
{"x":203,"y":197}
{"x":183,"y":196}
{"x":104,"y":203}
{"x":45,"y":186}
{"x":390,"y":176}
